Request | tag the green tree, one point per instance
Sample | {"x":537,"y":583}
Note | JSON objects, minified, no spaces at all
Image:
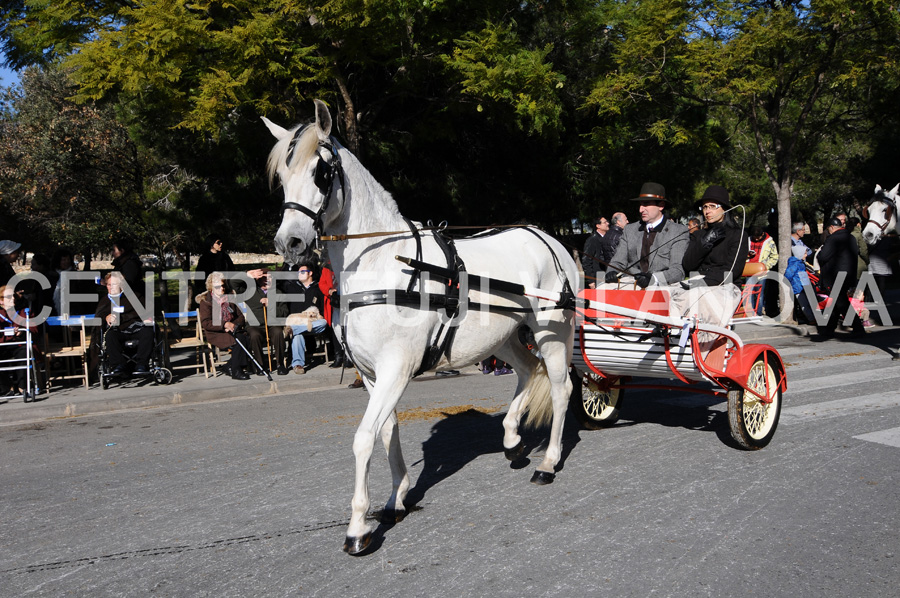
{"x":69,"y":173}
{"x":798,"y":75}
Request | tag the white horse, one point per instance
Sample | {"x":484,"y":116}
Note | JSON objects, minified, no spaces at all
{"x":327,"y":190}
{"x":882,"y":214}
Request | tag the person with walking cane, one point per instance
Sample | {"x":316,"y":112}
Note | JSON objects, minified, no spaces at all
{"x":262,"y":332}
{"x":223,"y":322}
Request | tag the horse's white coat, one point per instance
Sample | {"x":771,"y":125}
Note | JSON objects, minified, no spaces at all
{"x":878,"y":225}
{"x":387,"y":342}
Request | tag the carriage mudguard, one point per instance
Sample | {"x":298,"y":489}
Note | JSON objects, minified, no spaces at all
{"x":739,"y":364}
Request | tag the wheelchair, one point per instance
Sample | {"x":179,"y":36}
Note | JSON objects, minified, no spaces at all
{"x":159,"y":359}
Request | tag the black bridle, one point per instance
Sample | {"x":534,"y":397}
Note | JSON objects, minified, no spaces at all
{"x":890,"y":206}
{"x":324,"y":180}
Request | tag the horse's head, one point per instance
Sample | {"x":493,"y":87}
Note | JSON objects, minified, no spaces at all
{"x":882,"y":214}
{"x":306,"y":162}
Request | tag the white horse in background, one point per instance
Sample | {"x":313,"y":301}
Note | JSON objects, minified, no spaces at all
{"x":882,"y":214}
{"x":328,"y":191}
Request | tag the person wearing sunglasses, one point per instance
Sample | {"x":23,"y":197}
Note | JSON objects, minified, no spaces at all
{"x":223,"y":323}
{"x":214,"y":257}
{"x":305,"y":307}
{"x":12,"y":330}
{"x":719,"y":252}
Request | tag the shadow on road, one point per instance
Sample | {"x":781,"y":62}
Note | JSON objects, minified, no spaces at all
{"x":460,"y":438}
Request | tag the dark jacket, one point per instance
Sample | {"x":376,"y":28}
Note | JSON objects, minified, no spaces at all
{"x":215,"y":332}
{"x":306,"y":297}
{"x":838,"y":254}
{"x":132,"y":270}
{"x":258,"y":309}
{"x":590,"y":255}
{"x":609,"y":244}
{"x":126,"y":318}
{"x":714,"y":264}
{"x":211,"y":262}
{"x":665,"y":255}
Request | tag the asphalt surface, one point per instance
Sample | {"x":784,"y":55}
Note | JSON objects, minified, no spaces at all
{"x":251,"y":497}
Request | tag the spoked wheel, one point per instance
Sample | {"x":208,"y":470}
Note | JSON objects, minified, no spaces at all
{"x":162,"y":376}
{"x":753,"y":420}
{"x":593,"y":403}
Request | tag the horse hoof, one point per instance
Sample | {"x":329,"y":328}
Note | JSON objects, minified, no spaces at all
{"x":515,"y":452}
{"x":393,"y":515}
{"x":354,"y":546}
{"x":542,"y":478}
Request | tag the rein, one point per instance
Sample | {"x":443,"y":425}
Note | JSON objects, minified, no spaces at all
{"x":440,"y":228}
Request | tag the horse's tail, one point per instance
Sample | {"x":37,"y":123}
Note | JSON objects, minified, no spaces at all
{"x":536,"y":397}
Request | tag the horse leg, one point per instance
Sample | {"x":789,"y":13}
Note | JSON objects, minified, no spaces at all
{"x":395,"y":510}
{"x":383,"y":398}
{"x":554,"y":342}
{"x":524,"y":363}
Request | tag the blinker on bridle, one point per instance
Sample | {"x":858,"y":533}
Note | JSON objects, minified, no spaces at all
{"x":323,"y":179}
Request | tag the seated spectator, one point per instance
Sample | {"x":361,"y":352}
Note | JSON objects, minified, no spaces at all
{"x":257,"y":304}
{"x":120,"y":321}
{"x":12,"y":321}
{"x":222,"y":322}
{"x":305,"y":313}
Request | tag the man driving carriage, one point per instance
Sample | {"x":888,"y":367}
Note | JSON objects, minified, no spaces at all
{"x":650,"y":250}
{"x":120,"y":322}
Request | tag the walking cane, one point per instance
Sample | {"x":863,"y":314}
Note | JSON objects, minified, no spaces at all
{"x":268,"y":344}
{"x":250,"y":355}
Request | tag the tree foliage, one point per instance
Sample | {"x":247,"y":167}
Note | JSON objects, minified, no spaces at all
{"x":477,"y":112}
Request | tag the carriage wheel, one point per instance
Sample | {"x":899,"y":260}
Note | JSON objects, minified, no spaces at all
{"x":593,"y":404}
{"x":752,"y":420}
{"x":162,"y":376}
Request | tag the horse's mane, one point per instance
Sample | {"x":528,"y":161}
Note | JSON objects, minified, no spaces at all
{"x":304,"y":142}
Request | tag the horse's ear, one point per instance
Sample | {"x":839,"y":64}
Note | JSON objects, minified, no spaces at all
{"x":323,"y":121}
{"x":877,"y":188}
{"x":893,"y":192}
{"x":279,"y":132}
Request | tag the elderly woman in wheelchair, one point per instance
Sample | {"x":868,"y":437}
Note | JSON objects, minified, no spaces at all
{"x":121,"y":323}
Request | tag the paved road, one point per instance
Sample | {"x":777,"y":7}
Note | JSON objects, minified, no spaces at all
{"x":251,"y":497}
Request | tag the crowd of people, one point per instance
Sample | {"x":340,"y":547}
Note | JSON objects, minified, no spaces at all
{"x":714,"y":250}
{"x":305,"y":308}
{"x":708,"y":253}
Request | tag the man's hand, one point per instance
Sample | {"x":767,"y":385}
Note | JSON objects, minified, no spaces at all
{"x":643,"y":279}
{"x":229,"y":326}
{"x":712,"y":236}
{"x":264,"y":301}
{"x":612,"y":276}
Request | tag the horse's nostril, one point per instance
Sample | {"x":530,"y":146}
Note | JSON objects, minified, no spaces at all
{"x":295,"y":242}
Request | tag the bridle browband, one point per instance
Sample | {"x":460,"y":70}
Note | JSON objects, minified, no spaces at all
{"x":324,"y":179}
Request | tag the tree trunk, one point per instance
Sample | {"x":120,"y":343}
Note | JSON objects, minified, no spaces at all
{"x":351,"y":131}
{"x":783,"y":203}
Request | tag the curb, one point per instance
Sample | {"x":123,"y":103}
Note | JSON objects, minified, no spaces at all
{"x":89,"y":405}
